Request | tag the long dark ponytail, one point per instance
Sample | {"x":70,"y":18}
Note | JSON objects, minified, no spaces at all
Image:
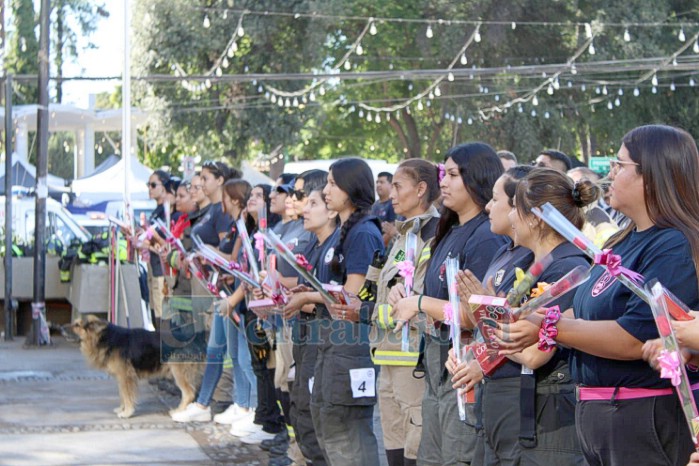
{"x":353,"y":176}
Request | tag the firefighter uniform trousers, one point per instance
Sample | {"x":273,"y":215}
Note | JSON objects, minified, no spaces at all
{"x":344,"y":393}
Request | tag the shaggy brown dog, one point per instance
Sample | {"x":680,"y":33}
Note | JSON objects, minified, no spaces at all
{"x":129,"y":355}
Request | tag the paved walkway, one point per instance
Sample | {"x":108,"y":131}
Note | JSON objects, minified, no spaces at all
{"x":55,"y":410}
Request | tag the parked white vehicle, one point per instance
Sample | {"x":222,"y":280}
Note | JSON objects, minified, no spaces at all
{"x":59,"y":222}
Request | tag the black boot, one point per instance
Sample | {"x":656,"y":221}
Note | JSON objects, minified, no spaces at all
{"x":409,"y":462}
{"x":395,"y":457}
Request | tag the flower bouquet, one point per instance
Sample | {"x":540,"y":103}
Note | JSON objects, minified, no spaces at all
{"x":406,"y":269}
{"x":670,"y":359}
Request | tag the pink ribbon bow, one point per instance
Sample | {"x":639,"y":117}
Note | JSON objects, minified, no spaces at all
{"x":670,"y":366}
{"x":448,"y":314}
{"x":260,"y":246}
{"x":613,"y":264}
{"x":303,"y":262}
{"x":442,"y":172}
{"x":406,"y":269}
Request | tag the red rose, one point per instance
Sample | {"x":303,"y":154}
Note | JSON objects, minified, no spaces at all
{"x":663,"y":326}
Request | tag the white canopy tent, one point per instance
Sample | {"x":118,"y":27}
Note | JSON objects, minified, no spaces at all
{"x":109,"y":184}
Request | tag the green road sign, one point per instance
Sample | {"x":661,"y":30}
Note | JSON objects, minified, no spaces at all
{"x":599,"y":164}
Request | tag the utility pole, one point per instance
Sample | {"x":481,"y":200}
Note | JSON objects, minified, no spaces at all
{"x":9,"y":309}
{"x":42,"y":190}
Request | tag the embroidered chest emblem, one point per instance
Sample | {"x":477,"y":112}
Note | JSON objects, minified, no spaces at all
{"x":604,"y":282}
{"x":499,"y":275}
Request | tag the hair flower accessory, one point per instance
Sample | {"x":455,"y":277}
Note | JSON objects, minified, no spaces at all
{"x":442,"y":172}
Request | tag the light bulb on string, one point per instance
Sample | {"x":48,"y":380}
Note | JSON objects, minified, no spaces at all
{"x":241,"y":31}
{"x":636,"y":92}
{"x":520,"y":109}
{"x":274,"y":99}
{"x":430,"y":95}
{"x":681,"y":35}
{"x":428,"y":33}
{"x":588,"y":31}
{"x":654,"y":90}
{"x":348,"y":65}
{"x":259,"y":89}
{"x":295,"y":103}
{"x":497,"y":98}
{"x":207,"y":22}
{"x":225,"y":14}
{"x":513,"y":25}
{"x":569,"y":84}
{"x":450,"y":76}
{"x":361,"y":113}
{"x":469,"y":121}
{"x":312,"y":97}
{"x":304,"y":99}
{"x":547,"y":115}
{"x":280,"y":102}
{"x":591,"y":48}
{"x":459,"y":120}
{"x":654,"y":81}
{"x":287,"y":102}
{"x":477,"y":36}
{"x":598,"y":90}
{"x":359,"y":49}
{"x":672,"y":86}
{"x":556,"y":84}
{"x":225,"y":62}
{"x":446,"y":115}
{"x":695,"y":48}
{"x":372,"y":28}
{"x":437,"y":91}
{"x":535,"y":101}
{"x":533,"y":113}
{"x":368,"y":116}
{"x":231,"y":51}
{"x":419,"y":105}
{"x":388,"y":116}
{"x":452,"y":118}
{"x":609,"y":105}
{"x":620,"y":91}
{"x":377,"y":118}
{"x":549,"y":90}
{"x":583,"y":87}
{"x":321,"y":91}
{"x":604,"y":90}
{"x":691,"y":82}
{"x":207,"y":83}
{"x":573,"y":69}
{"x":464,"y":59}
{"x":617,"y":101}
{"x":627,"y":36}
{"x":219,"y":72}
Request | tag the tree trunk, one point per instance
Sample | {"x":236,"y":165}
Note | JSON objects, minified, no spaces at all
{"x":401,"y":134}
{"x":415,"y":148}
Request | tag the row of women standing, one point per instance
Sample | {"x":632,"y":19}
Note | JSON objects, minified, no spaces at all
{"x":527,"y":411}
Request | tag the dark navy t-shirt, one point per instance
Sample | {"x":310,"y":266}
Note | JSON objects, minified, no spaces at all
{"x":212,"y":223}
{"x":296,"y":239}
{"x":384,"y":211}
{"x":502,"y":269}
{"x":320,"y":256}
{"x":155,"y":263}
{"x":565,"y":258}
{"x":475,"y":246}
{"x":661,"y":253}
{"x":361,"y":242}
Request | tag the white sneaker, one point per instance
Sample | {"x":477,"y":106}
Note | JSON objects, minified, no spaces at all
{"x":230,"y":415}
{"x":257,"y":437}
{"x":193,"y":413}
{"x":245,"y":426}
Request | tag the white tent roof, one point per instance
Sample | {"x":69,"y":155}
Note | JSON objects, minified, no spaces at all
{"x":109,"y":184}
{"x":253,"y":176}
{"x":377,"y":166}
{"x":54,"y":182}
